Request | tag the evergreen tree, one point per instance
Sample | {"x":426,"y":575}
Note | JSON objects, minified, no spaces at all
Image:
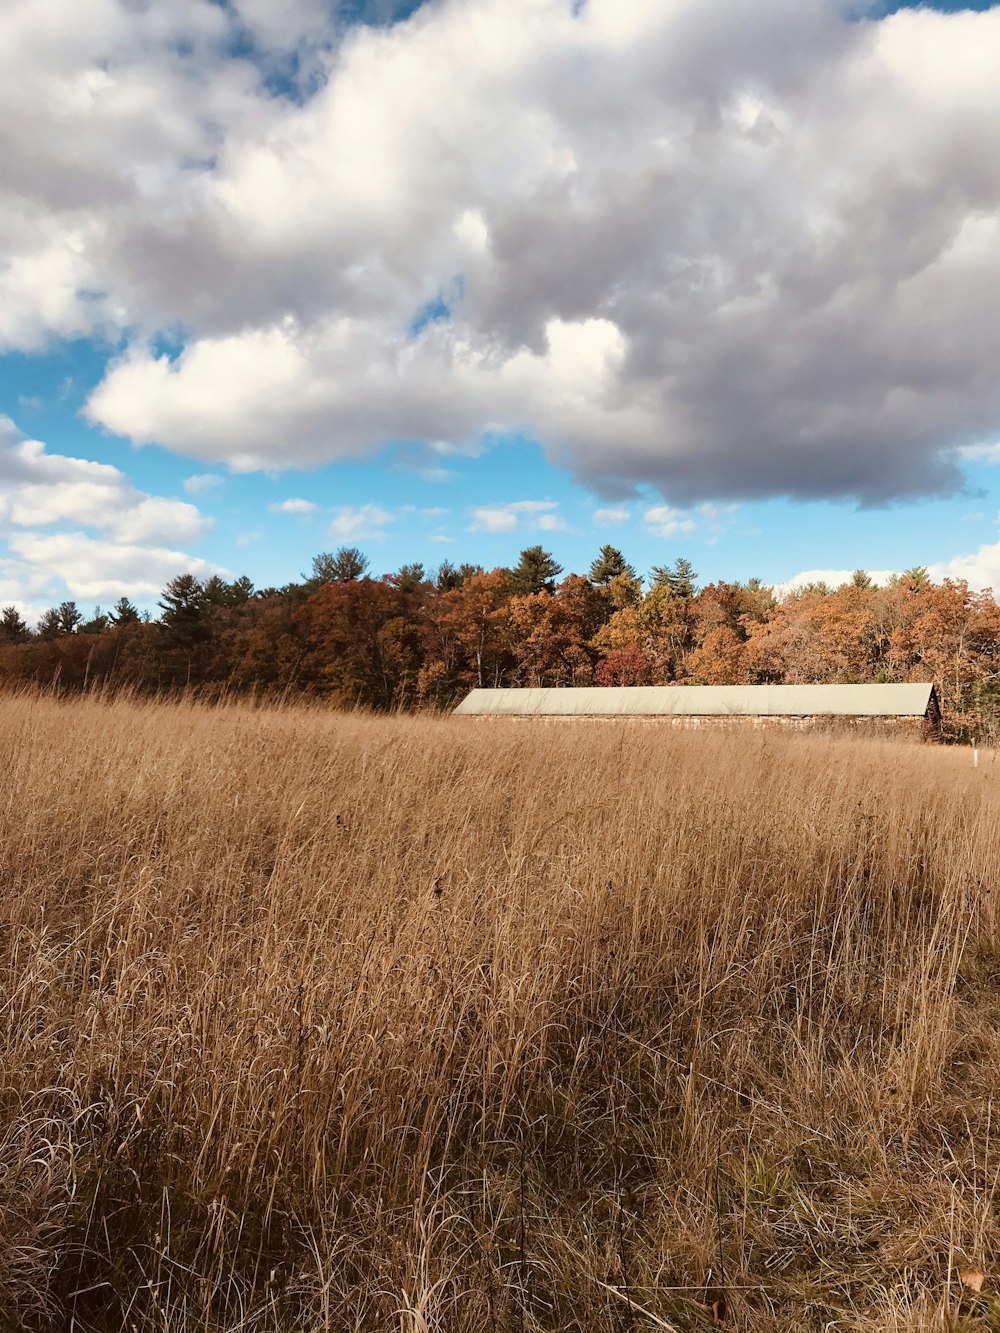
{"x":916,"y":579}
{"x":70,"y":617}
{"x":219,"y":593}
{"x":59,"y":620}
{"x":449,"y":576}
{"x":97,"y":623}
{"x":409,"y":577}
{"x":610,"y":564}
{"x":49,"y":625}
{"x":536,"y":571}
{"x":13,"y":626}
{"x":861,"y":579}
{"x":342,"y":566}
{"x":183,"y":604}
{"x":124,"y":613}
{"x":678,"y":577}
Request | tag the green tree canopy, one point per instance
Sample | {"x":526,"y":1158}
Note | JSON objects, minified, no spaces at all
{"x":124,"y":613}
{"x":409,"y":577}
{"x":183,"y":604}
{"x":610,"y":564}
{"x":218,"y":593}
{"x":13,"y":626}
{"x":97,"y":623}
{"x":678,"y":577}
{"x":58,"y":620}
{"x":341,"y":566}
{"x":535,"y":571}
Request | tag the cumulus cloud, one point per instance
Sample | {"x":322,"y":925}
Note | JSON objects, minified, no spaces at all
{"x":294,"y":506}
{"x":202,"y":483}
{"x":99,"y":532}
{"x":38,"y":489}
{"x":756,"y":257}
{"x":667,"y":522}
{"x":981,"y":453}
{"x":605,"y":517}
{"x":486,"y":518}
{"x":980,"y":568}
{"x":507,"y":517}
{"x":352,"y":523}
{"x":99,"y":570}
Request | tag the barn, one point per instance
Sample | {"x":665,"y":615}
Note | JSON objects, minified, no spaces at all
{"x":904,"y":709}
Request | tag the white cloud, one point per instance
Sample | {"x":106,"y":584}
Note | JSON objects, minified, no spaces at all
{"x":442,"y":538}
{"x":758,"y":258}
{"x":302,"y":507}
{"x":39,"y":489}
{"x":981,"y":453}
{"x":97,"y":570}
{"x":451,"y":449}
{"x":25,"y":587}
{"x":486,"y":518}
{"x":355,"y":524}
{"x":606,"y":517}
{"x":507,"y":517}
{"x":203,"y":483}
{"x":101,"y":530}
{"x":665,"y":521}
{"x":980,"y":568}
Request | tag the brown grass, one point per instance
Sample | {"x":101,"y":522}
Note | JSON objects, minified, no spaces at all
{"x":324,"y":1022}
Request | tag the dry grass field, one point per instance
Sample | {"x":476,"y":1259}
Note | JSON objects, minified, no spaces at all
{"x":317,"y":1022}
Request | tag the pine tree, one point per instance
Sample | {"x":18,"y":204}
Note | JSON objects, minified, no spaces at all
{"x":409,"y":577}
{"x":610,"y":564}
{"x":219,"y":593}
{"x":678,"y":577}
{"x":124,"y":613}
{"x":536,"y":571}
{"x":183,"y":604}
{"x":13,"y":626}
{"x":49,"y":625}
{"x":916,"y":579}
{"x":59,"y":620}
{"x":449,"y":576}
{"x":70,"y":617}
{"x":342,"y":566}
{"x":97,"y":623}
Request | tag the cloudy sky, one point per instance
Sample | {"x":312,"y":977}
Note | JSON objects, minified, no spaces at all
{"x":718,"y":278}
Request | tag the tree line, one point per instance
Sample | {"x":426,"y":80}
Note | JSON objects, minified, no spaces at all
{"x":416,"y":638}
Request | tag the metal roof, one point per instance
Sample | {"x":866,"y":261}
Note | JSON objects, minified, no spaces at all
{"x":705,"y":701}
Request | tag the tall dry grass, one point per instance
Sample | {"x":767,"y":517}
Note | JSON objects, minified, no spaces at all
{"x":323,"y":1022}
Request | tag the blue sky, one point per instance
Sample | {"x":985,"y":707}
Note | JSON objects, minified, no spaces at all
{"x":433,"y":301}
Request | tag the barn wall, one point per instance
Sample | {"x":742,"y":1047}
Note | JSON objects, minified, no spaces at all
{"x":918,"y":729}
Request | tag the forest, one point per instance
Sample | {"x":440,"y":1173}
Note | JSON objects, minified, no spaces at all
{"x":419,"y":639}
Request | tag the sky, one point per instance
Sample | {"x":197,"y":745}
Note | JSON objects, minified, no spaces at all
{"x":705,"y":278}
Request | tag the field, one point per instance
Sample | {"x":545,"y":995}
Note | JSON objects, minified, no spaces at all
{"x":319,"y":1022}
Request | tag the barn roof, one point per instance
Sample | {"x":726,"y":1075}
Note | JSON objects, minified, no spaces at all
{"x":705,"y":701}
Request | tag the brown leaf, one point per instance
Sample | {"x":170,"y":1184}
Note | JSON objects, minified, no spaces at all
{"x":973,"y":1278}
